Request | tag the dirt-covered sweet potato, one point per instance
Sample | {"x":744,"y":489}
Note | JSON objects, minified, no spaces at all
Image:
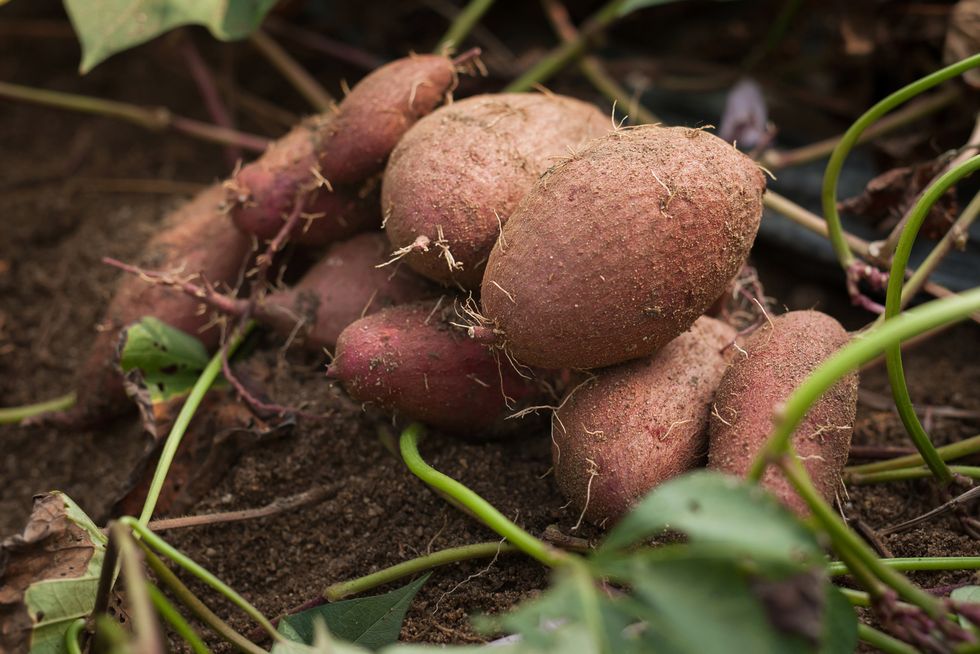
{"x":459,"y":173}
{"x":344,"y":286}
{"x":636,"y":425}
{"x":410,"y":361}
{"x":619,"y":249}
{"x":323,"y":161}
{"x":779,"y":357}
{"x":196,"y":239}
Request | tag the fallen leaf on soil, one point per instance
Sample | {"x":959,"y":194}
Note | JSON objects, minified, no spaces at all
{"x":963,"y":37}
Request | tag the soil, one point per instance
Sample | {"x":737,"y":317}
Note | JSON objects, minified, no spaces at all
{"x":60,"y":216}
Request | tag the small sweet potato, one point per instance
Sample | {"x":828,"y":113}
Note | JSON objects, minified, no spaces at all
{"x":196,"y":239}
{"x":410,"y":361}
{"x":636,"y":425}
{"x":618,"y":250}
{"x":458,"y":174}
{"x":344,"y":286}
{"x":780,"y":357}
{"x":324,"y":160}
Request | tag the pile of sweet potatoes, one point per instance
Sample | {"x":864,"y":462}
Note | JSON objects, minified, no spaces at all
{"x":532,"y":255}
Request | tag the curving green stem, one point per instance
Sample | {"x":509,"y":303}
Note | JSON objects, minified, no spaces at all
{"x":15,"y":414}
{"x":200,"y":389}
{"x":927,"y":563}
{"x":863,"y":348}
{"x":398,"y":571}
{"x":883,"y":642}
{"x":176,"y":620}
{"x":72,"y":635}
{"x":479,"y":507}
{"x":893,"y":305}
{"x":851,"y":136}
{"x":201,"y":573}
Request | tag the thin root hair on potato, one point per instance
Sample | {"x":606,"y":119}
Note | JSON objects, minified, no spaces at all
{"x":593,"y":473}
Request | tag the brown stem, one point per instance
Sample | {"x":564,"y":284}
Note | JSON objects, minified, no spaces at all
{"x":775,"y":159}
{"x":321,"y":43}
{"x":301,"y":80}
{"x":153,"y":118}
{"x":592,"y":67}
{"x":205,"y":292}
{"x":275,"y":507}
{"x":204,"y":80}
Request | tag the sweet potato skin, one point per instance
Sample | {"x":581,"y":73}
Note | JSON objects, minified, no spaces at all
{"x":618,"y":250}
{"x":409,"y":361}
{"x":344,"y":286}
{"x":462,"y":170}
{"x":638,"y":424}
{"x":195,"y":239}
{"x":780,"y":357}
{"x":325,"y":160}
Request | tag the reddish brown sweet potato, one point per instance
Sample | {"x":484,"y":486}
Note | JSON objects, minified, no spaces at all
{"x":461,"y":171}
{"x":408,"y":360}
{"x":344,"y":148}
{"x":779,"y":358}
{"x":617,"y":251}
{"x":638,"y":424}
{"x":344,"y":286}
{"x":195,"y":239}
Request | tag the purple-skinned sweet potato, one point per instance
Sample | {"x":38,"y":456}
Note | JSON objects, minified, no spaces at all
{"x":410,"y":361}
{"x":638,"y":424}
{"x":196,"y":239}
{"x":780,"y":356}
{"x":461,"y":171}
{"x":324,"y":160}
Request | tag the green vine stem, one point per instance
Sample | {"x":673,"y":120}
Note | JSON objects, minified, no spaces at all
{"x":904,"y":474}
{"x":883,"y":642}
{"x":201,"y":386}
{"x":149,"y":638}
{"x":777,"y":159}
{"x":925,"y":563}
{"x":464,"y":22}
{"x":13,"y":415}
{"x":850,"y":139}
{"x":949,"y":452}
{"x":860,"y":350}
{"x":568,"y":51}
{"x":398,"y":571}
{"x":72,"y":636}
{"x":152,"y":118}
{"x":848,"y":543}
{"x":476,"y":505}
{"x":176,"y":620}
{"x":893,"y":300}
{"x":199,"y":608}
{"x":956,"y":232}
{"x":201,"y":573}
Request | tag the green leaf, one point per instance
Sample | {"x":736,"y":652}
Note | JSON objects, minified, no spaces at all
{"x":372,"y":622}
{"x":105,"y":27}
{"x":159,"y":360}
{"x":968,"y":595}
{"x":716,"y":509}
{"x":840,"y":634}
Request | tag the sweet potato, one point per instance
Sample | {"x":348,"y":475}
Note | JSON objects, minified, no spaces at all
{"x":196,"y":239}
{"x":323,"y":161}
{"x":344,"y":286}
{"x":619,"y":249}
{"x":636,"y":425}
{"x":410,"y":361}
{"x":780,"y":357}
{"x":459,"y":173}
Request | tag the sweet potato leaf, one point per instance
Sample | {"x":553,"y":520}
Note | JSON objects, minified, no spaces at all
{"x":105,"y":27}
{"x":371,"y":622}
{"x":159,"y":360}
{"x":712,"y":508}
